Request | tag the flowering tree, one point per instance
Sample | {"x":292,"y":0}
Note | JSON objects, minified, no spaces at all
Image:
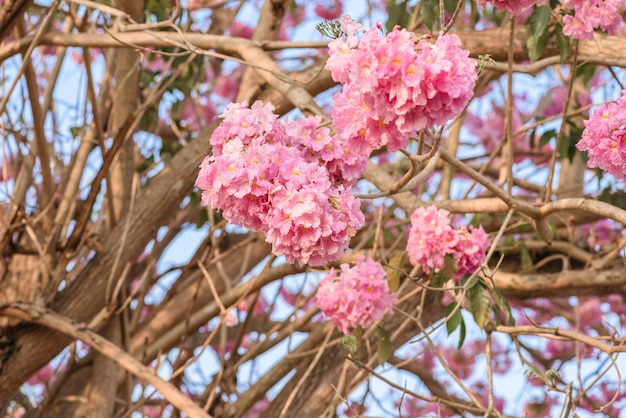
{"x":273,"y":209}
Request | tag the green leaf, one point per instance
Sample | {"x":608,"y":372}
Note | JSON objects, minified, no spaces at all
{"x":539,"y":20}
{"x":483,"y":60}
{"x":567,"y":147}
{"x":504,"y":305}
{"x":526,"y":260}
{"x":563,"y":42}
{"x":539,"y":32}
{"x":586,"y":71}
{"x":615,"y":198}
{"x":145,"y":164}
{"x":383,"y":343}
{"x":462,"y":334}
{"x":533,"y":134}
{"x":537,"y":44}
{"x":158,"y":8}
{"x":437,"y":280}
{"x":76,"y":131}
{"x":149,"y":119}
{"x":349,"y":343}
{"x":481,"y":304}
{"x":532,"y":371}
{"x":546,"y":137}
{"x":429,"y":13}
{"x":394,"y":270}
{"x":397,"y":14}
{"x":553,"y":374}
{"x":450,"y":266}
{"x":202,"y":219}
{"x":455,"y":320}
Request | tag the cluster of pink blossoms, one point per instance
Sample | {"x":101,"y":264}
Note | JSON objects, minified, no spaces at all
{"x":514,"y":7}
{"x":288,"y":179}
{"x":432,"y":237}
{"x":604,"y":138}
{"x":357,"y":297}
{"x":592,"y":14}
{"x":395,"y":85}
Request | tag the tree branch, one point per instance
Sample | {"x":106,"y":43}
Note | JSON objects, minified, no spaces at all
{"x":42,"y":316}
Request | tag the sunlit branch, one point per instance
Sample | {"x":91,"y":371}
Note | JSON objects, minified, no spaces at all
{"x":43,"y":316}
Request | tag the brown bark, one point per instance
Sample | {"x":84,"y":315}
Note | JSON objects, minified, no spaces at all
{"x":10,"y":12}
{"x":36,"y":346}
{"x":493,"y":42}
{"x":272,"y":13}
{"x":84,"y":296}
{"x":25,"y":348}
{"x":103,"y":378}
{"x":21,"y":283}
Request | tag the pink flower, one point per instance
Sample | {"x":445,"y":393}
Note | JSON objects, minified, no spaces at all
{"x":227,"y":86}
{"x":414,"y":407}
{"x":196,"y":113}
{"x":514,"y":7}
{"x":258,"y":408}
{"x":591,"y":15}
{"x":230,"y":319}
{"x":557,"y":97}
{"x":329,"y":12}
{"x":432,"y":237}
{"x":285,"y":179}
{"x":577,"y":28}
{"x":156,"y":64}
{"x":395,"y":85}
{"x":359,"y":296}
{"x":590,"y":312}
{"x":43,"y":377}
{"x":601,"y":233}
{"x":354,"y":409}
{"x":241,"y":30}
{"x":604,"y":138}
{"x":194,"y":5}
{"x":470,"y":250}
{"x":560,"y":350}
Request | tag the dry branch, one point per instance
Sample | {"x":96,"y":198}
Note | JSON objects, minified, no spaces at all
{"x":42,"y":316}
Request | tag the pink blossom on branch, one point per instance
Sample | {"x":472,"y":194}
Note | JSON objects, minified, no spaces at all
{"x":432,"y":237}
{"x":604,"y":138}
{"x":396,"y":84}
{"x":285,"y":179}
{"x":589,"y":15}
{"x":358,"y":296}
{"x":329,"y":9}
{"x":470,"y":249}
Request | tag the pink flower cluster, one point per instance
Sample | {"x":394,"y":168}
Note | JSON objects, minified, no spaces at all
{"x":287,"y":179}
{"x":602,"y":233}
{"x":604,"y":138}
{"x":358,"y":296}
{"x":514,"y":7}
{"x":395,"y":85}
{"x":592,"y":14}
{"x":432,"y":237}
{"x":329,"y":10}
